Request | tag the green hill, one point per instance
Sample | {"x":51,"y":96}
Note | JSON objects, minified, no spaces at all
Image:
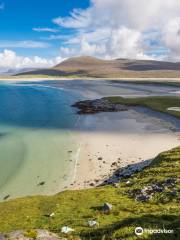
{"x":149,"y":199}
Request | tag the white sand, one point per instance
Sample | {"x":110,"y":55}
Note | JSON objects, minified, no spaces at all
{"x":29,"y":78}
{"x":121,"y":148}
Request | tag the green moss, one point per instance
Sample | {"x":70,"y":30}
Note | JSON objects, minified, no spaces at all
{"x":75,"y":208}
{"x":31,"y":234}
{"x":160,"y":104}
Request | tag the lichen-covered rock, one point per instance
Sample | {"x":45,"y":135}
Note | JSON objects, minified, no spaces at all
{"x":38,"y":234}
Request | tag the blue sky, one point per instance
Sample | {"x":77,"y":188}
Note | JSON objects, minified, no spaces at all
{"x":19,"y":17}
{"x":42,"y":33}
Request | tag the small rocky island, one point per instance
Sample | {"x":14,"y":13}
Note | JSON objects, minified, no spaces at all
{"x":98,"y":105}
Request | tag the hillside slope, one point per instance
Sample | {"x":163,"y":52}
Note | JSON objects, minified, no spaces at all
{"x":92,"y":67}
{"x":149,"y":199}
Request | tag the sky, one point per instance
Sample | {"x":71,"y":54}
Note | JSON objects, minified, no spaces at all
{"x":42,"y":33}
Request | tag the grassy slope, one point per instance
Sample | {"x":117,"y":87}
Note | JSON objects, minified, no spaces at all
{"x":155,"y":103}
{"x":75,"y":208}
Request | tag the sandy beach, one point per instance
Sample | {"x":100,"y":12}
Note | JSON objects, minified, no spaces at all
{"x":64,"y":150}
{"x":36,"y":79}
{"x":102,"y":153}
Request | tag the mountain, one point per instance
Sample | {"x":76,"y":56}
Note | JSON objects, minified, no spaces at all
{"x":12,"y":71}
{"x":93,"y":67}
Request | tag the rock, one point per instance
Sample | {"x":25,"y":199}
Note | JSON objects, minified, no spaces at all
{"x":66,"y":230}
{"x":170,"y":181}
{"x":147,"y":190}
{"x":116,"y":185}
{"x":41,"y":183}
{"x":114,"y":164}
{"x":6,"y":197}
{"x":98,"y":105}
{"x":40,"y":234}
{"x":46,"y":235}
{"x":93,"y":223}
{"x":92,"y":184}
{"x":107,"y":207}
{"x":100,"y":158}
{"x":52,"y":214}
{"x":143,"y":198}
{"x":128,"y":182}
{"x":2,"y":237}
{"x":173,"y":193}
{"x":157,"y":187}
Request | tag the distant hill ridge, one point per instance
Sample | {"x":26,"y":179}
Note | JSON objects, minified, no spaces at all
{"x":86,"y":66}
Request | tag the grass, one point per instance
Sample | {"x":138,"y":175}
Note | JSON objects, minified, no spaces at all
{"x":75,"y":208}
{"x":160,"y":104}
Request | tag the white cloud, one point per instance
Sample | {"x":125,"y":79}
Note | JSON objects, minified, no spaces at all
{"x":130,"y":13}
{"x":121,"y":28}
{"x":23,"y":44}
{"x":122,"y":42}
{"x":56,"y":37}
{"x":9,"y":59}
{"x":52,"y":30}
{"x":171,"y":38}
{"x":78,"y":19}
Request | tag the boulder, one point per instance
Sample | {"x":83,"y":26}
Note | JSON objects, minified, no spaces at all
{"x":66,"y":230}
{"x":93,"y":223}
{"x":107,"y":207}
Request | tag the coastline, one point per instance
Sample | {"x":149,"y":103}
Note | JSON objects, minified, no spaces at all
{"x":143,"y":79}
{"x":121,"y":139}
{"x":101,"y":154}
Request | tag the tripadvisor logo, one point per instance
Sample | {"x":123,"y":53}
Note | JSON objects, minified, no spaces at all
{"x":139,"y":231}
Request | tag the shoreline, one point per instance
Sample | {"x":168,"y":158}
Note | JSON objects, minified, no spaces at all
{"x":108,"y":150}
{"x":103,"y":154}
{"x":143,"y":79}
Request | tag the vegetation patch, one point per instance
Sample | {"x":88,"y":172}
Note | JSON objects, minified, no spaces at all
{"x":31,"y":234}
{"x":160,"y":104}
{"x":76,"y":209}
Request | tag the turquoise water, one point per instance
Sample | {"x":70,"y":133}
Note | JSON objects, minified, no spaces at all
{"x":38,"y":144}
{"x":35,"y":139}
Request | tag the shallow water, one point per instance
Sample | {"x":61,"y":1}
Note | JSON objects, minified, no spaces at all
{"x":100,"y":88}
{"x":35,"y":139}
{"x":38,"y":145}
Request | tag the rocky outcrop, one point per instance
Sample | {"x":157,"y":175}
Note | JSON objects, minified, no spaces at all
{"x":38,"y":234}
{"x":98,"y":105}
{"x":167,"y":187}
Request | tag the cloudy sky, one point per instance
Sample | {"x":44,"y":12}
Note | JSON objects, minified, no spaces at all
{"x":39,"y":33}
